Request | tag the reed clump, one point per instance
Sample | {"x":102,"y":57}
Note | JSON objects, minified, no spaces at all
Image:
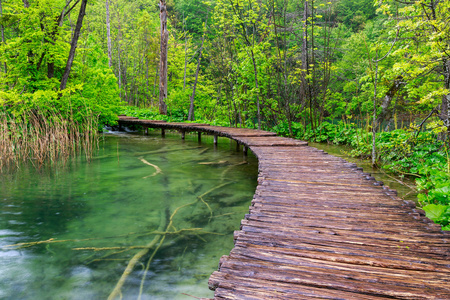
{"x":38,"y":138}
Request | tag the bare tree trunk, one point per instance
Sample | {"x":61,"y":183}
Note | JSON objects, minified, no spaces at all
{"x":312,"y":87}
{"x":26,"y":4}
{"x":185,"y":54}
{"x":119,"y":71}
{"x":125,"y":74}
{"x":73,"y":45}
{"x":119,"y":61}
{"x":374,"y":125}
{"x":304,"y":85}
{"x":445,"y":107}
{"x":3,"y":36}
{"x":108,"y":33}
{"x":163,"y":59}
{"x":255,"y":70}
{"x":191,"y":116}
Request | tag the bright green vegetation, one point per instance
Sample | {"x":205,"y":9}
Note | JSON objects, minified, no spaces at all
{"x":291,"y":66}
{"x":74,"y":231}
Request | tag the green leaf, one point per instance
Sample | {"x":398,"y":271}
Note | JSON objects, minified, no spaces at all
{"x":434,"y":212}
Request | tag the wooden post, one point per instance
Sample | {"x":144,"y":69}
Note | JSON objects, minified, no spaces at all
{"x":245,"y":150}
{"x":238,"y":147}
{"x":216,"y":139}
{"x":163,"y":132}
{"x":183,"y":134}
{"x":146,"y":130}
{"x":199,"y":137}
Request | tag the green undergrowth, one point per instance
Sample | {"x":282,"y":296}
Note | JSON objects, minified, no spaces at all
{"x":173,"y":115}
{"x":405,"y":152}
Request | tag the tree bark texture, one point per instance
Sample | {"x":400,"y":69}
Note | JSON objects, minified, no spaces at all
{"x":163,"y":59}
{"x":108,"y":34}
{"x":73,"y":45}
{"x":387,"y":100}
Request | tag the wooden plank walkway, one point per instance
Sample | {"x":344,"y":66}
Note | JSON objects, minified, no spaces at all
{"x":320,"y":228}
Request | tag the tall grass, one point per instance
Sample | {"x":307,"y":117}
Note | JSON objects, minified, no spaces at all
{"x":39,"y":138}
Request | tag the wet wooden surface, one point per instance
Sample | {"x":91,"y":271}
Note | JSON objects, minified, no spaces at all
{"x":320,"y":228}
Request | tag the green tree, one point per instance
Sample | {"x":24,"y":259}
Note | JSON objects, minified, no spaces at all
{"x":423,"y":58}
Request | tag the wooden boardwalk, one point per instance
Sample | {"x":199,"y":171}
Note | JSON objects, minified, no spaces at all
{"x":320,"y":228}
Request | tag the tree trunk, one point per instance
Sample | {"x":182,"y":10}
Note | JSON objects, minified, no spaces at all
{"x":147,"y":96}
{"x":73,"y":45}
{"x":445,"y":107}
{"x":3,"y":35}
{"x":26,"y":4}
{"x":185,"y":54}
{"x":304,"y":85}
{"x":255,"y":70}
{"x":396,"y":86}
{"x":52,"y":37}
{"x":191,"y":116}
{"x":119,"y":51}
{"x":108,"y":34}
{"x":374,"y":120}
{"x":119,"y":70}
{"x":312,"y":87}
{"x":163,"y":59}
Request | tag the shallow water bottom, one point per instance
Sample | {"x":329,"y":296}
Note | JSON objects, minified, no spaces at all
{"x":70,"y":232}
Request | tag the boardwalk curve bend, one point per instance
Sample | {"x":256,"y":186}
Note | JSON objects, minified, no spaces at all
{"x":320,"y":228}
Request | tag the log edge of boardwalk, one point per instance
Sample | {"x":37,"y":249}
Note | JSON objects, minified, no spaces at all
{"x":320,"y":228}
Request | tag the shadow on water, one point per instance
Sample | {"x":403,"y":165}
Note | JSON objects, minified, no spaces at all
{"x":70,"y":232}
{"x":405,"y":187}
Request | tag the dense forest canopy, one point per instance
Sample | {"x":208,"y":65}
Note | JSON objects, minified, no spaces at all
{"x":296,"y":67}
{"x":262,"y":61}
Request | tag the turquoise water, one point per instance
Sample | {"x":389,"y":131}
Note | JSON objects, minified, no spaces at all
{"x":69,"y":232}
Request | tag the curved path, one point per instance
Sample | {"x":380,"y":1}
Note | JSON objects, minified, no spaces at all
{"x":320,"y":228}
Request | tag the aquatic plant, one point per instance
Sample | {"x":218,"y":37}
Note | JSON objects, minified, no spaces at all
{"x":35,"y":137}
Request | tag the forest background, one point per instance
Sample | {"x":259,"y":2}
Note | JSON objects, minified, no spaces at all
{"x":374,"y":75}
